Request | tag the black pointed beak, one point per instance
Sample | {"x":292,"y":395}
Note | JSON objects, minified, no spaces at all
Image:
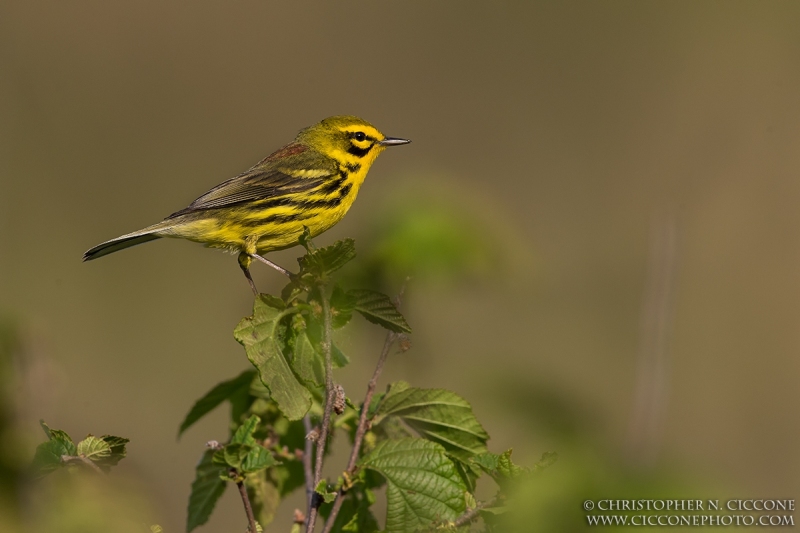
{"x":393,"y":141}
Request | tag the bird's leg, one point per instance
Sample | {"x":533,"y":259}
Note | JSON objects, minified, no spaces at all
{"x":273,"y":265}
{"x":244,"y":263}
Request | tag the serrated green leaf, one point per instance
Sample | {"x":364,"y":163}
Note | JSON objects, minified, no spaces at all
{"x":244,"y":434}
{"x":258,"y":334}
{"x":378,"y":308}
{"x":94,"y":448}
{"x":118,"y":451}
{"x":423,"y":486}
{"x":503,"y":469}
{"x":207,"y":487}
{"x":342,"y":307}
{"x":60,"y":436}
{"x":322,"y":490}
{"x":48,"y":454}
{"x":439,"y":415}
{"x":258,"y":458}
{"x":323,"y":261}
{"x":507,"y":468}
{"x":210,"y":400}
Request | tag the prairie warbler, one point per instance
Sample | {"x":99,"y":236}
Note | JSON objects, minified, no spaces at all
{"x":309,"y":183}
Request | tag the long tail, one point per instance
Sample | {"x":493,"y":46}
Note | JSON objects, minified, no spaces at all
{"x":125,"y":241}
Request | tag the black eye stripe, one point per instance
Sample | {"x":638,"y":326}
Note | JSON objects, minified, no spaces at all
{"x":360,"y":136}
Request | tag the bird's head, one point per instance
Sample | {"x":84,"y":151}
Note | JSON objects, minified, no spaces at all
{"x":348,"y":139}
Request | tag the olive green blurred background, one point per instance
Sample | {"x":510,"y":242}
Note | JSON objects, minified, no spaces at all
{"x":613,"y":161}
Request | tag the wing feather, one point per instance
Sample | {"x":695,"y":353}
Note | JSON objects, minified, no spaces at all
{"x":268,"y":179}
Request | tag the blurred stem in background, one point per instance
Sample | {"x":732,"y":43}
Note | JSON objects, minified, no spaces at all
{"x":652,"y":365}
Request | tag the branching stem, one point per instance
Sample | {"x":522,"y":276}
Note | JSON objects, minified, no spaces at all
{"x":363,"y":423}
{"x":330,"y":397}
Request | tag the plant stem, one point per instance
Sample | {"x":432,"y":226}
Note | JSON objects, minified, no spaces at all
{"x":326,"y":416}
{"x":362,"y":427}
{"x":248,"y":509}
{"x":472,"y":514}
{"x":307,"y":461}
{"x":83,"y":460}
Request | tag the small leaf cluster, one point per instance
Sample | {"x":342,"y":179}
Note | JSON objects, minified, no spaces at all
{"x":425,"y":446}
{"x":59,"y":450}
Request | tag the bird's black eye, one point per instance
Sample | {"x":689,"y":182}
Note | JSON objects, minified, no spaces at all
{"x":360,"y":136}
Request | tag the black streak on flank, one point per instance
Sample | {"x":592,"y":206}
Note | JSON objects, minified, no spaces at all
{"x":276,"y":202}
{"x":352,"y":168}
{"x":358,"y":152}
{"x":334,"y":185}
{"x":276,"y":219}
{"x":301,"y":204}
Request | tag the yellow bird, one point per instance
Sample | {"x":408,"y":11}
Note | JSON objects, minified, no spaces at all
{"x":309,"y":183}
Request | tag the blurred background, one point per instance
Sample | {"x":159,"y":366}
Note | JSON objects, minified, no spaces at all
{"x":599,"y":211}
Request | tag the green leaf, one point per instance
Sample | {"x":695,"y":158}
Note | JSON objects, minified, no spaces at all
{"x":548,"y":459}
{"x":216,"y":396}
{"x":338,"y":358}
{"x":273,"y":301}
{"x":314,"y":333}
{"x":118,"y":451}
{"x":503,"y":469}
{"x":264,"y":497}
{"x":378,"y":308}
{"x":207,"y":487}
{"x":48,"y":456}
{"x":342,"y":307}
{"x":439,"y":415}
{"x":94,"y":448}
{"x":258,"y":458}
{"x":322,"y":490}
{"x":307,"y":362}
{"x":233,"y":454}
{"x":507,"y":468}
{"x":423,"y":486}
{"x":323,"y":261}
{"x":259,"y":336}
{"x":355,"y":515}
{"x":59,"y":435}
{"x":244,"y":434}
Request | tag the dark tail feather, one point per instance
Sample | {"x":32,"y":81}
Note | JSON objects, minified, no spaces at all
{"x":109,"y":247}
